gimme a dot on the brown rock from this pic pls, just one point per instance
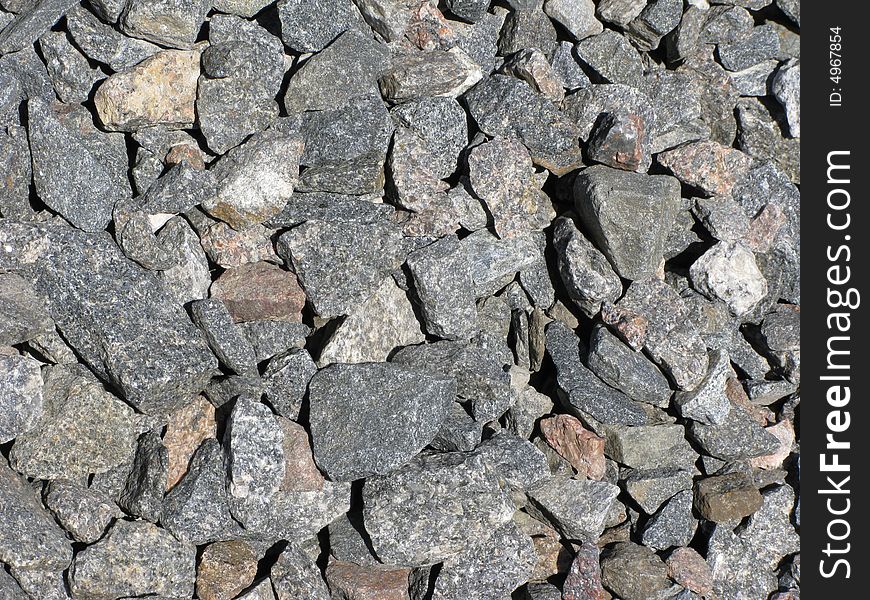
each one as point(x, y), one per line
point(690, 570)
point(185, 431)
point(784, 432)
point(532, 67)
point(576, 444)
point(355, 582)
point(230, 248)
point(737, 395)
point(225, 569)
point(630, 326)
point(706, 165)
point(161, 90)
point(553, 556)
point(188, 152)
point(764, 228)
point(300, 473)
point(622, 141)
point(584, 578)
point(260, 292)
point(727, 498)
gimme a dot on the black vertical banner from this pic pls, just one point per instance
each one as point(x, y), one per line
point(835, 442)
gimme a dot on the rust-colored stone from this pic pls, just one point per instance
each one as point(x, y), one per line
point(301, 473)
point(784, 432)
point(260, 292)
point(690, 570)
point(355, 582)
point(584, 578)
point(706, 165)
point(576, 444)
point(737, 395)
point(188, 152)
point(225, 569)
point(230, 248)
point(630, 326)
point(185, 431)
point(764, 228)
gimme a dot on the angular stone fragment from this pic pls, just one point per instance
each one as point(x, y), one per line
point(501, 174)
point(579, 509)
point(708, 402)
point(260, 291)
point(33, 19)
point(242, 8)
point(368, 253)
point(224, 338)
point(651, 488)
point(225, 569)
point(760, 45)
point(737, 437)
point(689, 569)
point(142, 495)
point(532, 67)
point(786, 89)
point(84, 430)
point(673, 525)
point(577, 16)
point(755, 80)
point(287, 376)
point(514, 459)
point(73, 164)
point(21, 395)
point(135, 558)
point(584, 579)
point(443, 283)
point(29, 537)
point(104, 44)
point(369, 582)
point(655, 20)
point(130, 100)
point(10, 589)
point(566, 69)
point(294, 575)
point(432, 508)
point(504, 106)
point(528, 28)
point(255, 180)
point(173, 23)
point(424, 74)
point(271, 338)
point(626, 370)
point(728, 272)
point(190, 278)
point(368, 419)
point(491, 569)
point(627, 215)
point(70, 72)
point(84, 513)
point(727, 498)
point(379, 325)
point(255, 452)
point(612, 56)
point(197, 509)
point(706, 165)
point(649, 446)
point(579, 446)
point(622, 141)
point(494, 262)
point(309, 26)
point(784, 431)
point(634, 572)
point(15, 161)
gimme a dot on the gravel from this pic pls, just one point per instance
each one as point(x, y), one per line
point(399, 299)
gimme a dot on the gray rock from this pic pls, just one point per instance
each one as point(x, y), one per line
point(77, 170)
point(442, 280)
point(480, 41)
point(728, 272)
point(346, 69)
point(35, 18)
point(470, 10)
point(242, 73)
point(649, 446)
point(309, 26)
point(480, 377)
point(586, 393)
point(494, 262)
point(325, 206)
point(255, 180)
point(439, 73)
point(612, 56)
point(224, 337)
point(717, 95)
point(620, 12)
point(516, 460)
point(628, 216)
point(242, 8)
point(758, 46)
point(501, 174)
point(588, 277)
point(634, 572)
point(586, 106)
point(294, 575)
point(708, 402)
point(286, 378)
point(21, 396)
point(190, 278)
point(143, 493)
point(173, 23)
point(579, 509)
point(135, 558)
point(15, 160)
point(723, 218)
point(736, 438)
point(84, 513)
point(576, 16)
point(83, 430)
point(368, 419)
point(336, 287)
point(489, 570)
point(653, 487)
point(786, 89)
point(760, 135)
point(197, 509)
point(631, 372)
point(622, 141)
point(527, 29)
point(755, 80)
point(271, 338)
point(504, 106)
point(128, 312)
point(10, 589)
point(566, 68)
point(29, 537)
point(70, 72)
point(255, 452)
point(673, 525)
point(103, 43)
point(791, 9)
point(433, 508)
point(348, 541)
point(459, 431)
point(655, 20)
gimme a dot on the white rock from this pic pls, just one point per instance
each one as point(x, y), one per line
point(728, 272)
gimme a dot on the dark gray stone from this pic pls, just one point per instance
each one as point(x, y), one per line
point(84, 513)
point(459, 431)
point(103, 43)
point(656, 20)
point(143, 493)
point(370, 418)
point(708, 402)
point(579, 509)
point(634, 572)
point(631, 372)
point(651, 488)
point(527, 29)
point(34, 18)
point(673, 525)
point(514, 459)
point(310, 25)
point(588, 277)
point(585, 106)
point(255, 452)
point(271, 338)
point(224, 337)
point(416, 75)
point(21, 396)
point(576, 16)
point(649, 446)
point(15, 161)
point(758, 46)
point(566, 68)
point(612, 56)
point(286, 380)
point(470, 10)
point(173, 23)
point(736, 438)
point(70, 72)
point(295, 575)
